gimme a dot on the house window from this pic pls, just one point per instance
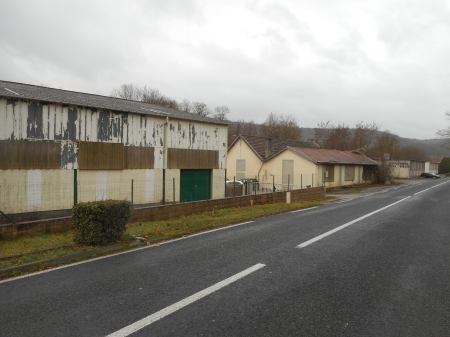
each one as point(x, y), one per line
point(240, 169)
point(349, 173)
point(328, 171)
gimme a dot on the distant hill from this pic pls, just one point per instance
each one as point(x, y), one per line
point(431, 147)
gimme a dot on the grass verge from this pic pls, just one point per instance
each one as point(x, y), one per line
point(24, 250)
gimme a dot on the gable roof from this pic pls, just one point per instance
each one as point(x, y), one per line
point(324, 156)
point(260, 145)
point(14, 90)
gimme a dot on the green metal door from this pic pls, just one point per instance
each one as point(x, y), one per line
point(195, 185)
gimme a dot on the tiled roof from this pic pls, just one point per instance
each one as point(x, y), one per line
point(323, 156)
point(259, 144)
point(39, 93)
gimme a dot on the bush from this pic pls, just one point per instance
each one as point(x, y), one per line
point(100, 222)
point(444, 165)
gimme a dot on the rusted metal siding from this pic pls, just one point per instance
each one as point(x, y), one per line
point(29, 155)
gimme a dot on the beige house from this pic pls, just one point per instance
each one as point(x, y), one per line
point(246, 154)
point(295, 167)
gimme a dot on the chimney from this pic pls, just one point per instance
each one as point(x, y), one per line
point(268, 147)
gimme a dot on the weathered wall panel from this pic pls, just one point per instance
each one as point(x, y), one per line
point(101, 156)
point(29, 155)
point(192, 159)
point(138, 157)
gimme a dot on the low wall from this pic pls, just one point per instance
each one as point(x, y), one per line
point(164, 212)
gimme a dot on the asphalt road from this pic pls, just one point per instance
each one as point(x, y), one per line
point(372, 266)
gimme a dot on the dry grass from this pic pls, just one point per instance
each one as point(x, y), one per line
point(25, 250)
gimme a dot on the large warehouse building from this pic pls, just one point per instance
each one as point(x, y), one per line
point(59, 147)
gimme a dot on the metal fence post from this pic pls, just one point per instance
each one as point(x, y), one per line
point(75, 187)
point(174, 191)
point(301, 181)
point(273, 183)
point(164, 187)
point(132, 192)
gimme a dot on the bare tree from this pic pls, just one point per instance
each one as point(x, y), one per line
point(270, 128)
point(339, 138)
point(364, 136)
point(445, 133)
point(386, 145)
point(185, 105)
point(281, 126)
point(154, 96)
point(289, 128)
point(201, 109)
point(128, 91)
point(244, 128)
point(220, 112)
point(322, 133)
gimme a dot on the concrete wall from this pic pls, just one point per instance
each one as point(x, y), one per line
point(165, 212)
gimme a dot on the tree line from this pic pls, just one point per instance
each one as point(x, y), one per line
point(154, 96)
point(363, 137)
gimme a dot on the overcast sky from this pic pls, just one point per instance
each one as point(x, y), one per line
point(384, 61)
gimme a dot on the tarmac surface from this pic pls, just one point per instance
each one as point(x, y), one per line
point(344, 195)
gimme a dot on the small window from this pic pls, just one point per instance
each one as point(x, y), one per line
point(349, 172)
point(240, 169)
point(328, 171)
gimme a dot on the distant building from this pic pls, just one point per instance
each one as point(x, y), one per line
point(246, 154)
point(405, 169)
point(295, 164)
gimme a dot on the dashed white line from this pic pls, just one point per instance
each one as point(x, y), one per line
point(305, 209)
point(128, 330)
point(421, 191)
point(317, 238)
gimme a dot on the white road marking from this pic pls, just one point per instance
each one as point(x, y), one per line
point(121, 253)
point(422, 191)
point(305, 209)
point(128, 330)
point(317, 238)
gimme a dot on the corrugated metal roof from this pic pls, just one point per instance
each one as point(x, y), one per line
point(323, 156)
point(40, 93)
point(259, 144)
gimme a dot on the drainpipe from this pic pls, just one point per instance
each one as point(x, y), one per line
point(166, 126)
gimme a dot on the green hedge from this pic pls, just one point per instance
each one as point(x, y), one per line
point(444, 165)
point(100, 222)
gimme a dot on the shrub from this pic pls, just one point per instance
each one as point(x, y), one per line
point(444, 165)
point(100, 222)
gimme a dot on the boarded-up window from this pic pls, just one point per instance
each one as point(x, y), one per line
point(29, 155)
point(240, 169)
point(349, 172)
point(101, 156)
point(288, 173)
point(328, 171)
point(139, 157)
point(192, 159)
